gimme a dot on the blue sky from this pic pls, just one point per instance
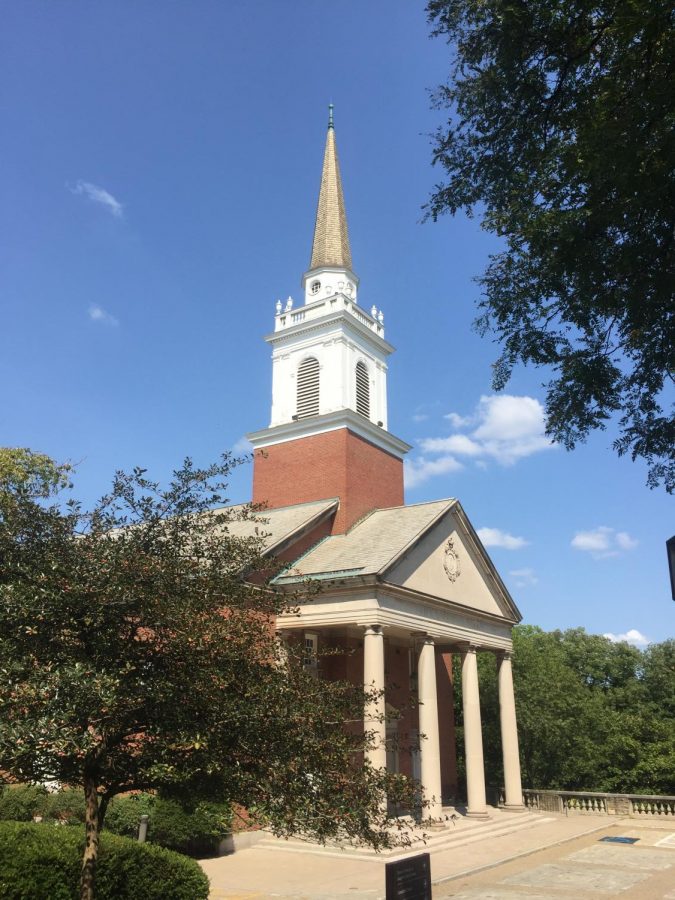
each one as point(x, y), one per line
point(160, 170)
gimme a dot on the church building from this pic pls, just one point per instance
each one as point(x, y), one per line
point(403, 587)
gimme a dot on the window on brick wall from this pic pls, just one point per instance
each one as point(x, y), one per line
point(308, 388)
point(362, 390)
point(310, 660)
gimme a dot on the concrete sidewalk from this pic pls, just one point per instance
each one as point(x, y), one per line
point(478, 852)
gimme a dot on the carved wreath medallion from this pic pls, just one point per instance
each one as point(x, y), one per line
point(451, 561)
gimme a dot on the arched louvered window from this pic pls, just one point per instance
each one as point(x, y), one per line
point(362, 390)
point(308, 388)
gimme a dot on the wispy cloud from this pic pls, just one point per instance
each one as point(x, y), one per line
point(503, 428)
point(418, 471)
point(524, 577)
point(632, 636)
point(98, 314)
point(242, 446)
point(603, 542)
point(98, 195)
point(456, 420)
point(495, 537)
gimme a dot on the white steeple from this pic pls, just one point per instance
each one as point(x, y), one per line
point(329, 356)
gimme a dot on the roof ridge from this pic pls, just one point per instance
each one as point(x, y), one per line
point(420, 532)
point(413, 505)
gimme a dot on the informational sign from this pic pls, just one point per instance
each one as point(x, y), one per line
point(409, 879)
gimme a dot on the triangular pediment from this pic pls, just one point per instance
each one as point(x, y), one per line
point(448, 562)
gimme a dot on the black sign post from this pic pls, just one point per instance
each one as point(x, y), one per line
point(409, 879)
point(670, 547)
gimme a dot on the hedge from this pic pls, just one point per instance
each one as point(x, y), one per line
point(196, 829)
point(193, 829)
point(19, 803)
point(41, 861)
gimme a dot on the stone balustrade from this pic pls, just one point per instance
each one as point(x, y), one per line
point(598, 804)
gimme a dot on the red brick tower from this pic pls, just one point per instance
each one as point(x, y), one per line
point(328, 433)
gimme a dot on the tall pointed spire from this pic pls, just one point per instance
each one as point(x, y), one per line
point(331, 239)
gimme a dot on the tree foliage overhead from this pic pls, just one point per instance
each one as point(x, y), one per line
point(562, 136)
point(134, 654)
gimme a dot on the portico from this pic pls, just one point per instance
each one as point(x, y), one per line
point(401, 639)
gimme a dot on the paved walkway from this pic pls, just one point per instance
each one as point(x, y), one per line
point(542, 858)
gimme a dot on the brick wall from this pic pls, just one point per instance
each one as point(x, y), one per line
point(337, 463)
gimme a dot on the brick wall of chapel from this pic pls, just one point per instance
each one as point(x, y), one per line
point(336, 463)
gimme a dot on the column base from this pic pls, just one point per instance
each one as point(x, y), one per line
point(514, 807)
point(478, 814)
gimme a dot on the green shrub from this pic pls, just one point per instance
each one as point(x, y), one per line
point(124, 813)
point(20, 802)
point(38, 861)
point(65, 806)
point(194, 829)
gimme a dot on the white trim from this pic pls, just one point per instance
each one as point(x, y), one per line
point(343, 418)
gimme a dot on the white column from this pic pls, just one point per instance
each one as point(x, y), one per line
point(473, 737)
point(513, 798)
point(430, 754)
point(373, 679)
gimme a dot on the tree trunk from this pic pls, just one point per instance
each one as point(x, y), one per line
point(91, 846)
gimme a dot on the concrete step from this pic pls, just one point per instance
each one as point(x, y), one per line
point(462, 831)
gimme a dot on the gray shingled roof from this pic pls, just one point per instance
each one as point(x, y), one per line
point(277, 524)
point(371, 545)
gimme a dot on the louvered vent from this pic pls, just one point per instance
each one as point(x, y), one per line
point(308, 388)
point(362, 390)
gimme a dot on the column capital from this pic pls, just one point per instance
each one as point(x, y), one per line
point(371, 629)
point(504, 655)
point(422, 637)
point(470, 647)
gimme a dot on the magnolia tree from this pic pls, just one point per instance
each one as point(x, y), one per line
point(136, 652)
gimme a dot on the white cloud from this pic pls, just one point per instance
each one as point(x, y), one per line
point(456, 443)
point(603, 542)
point(420, 417)
point(242, 446)
point(503, 428)
point(98, 314)
point(494, 537)
point(524, 577)
point(456, 420)
point(420, 470)
point(625, 541)
point(632, 636)
point(510, 428)
point(98, 195)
